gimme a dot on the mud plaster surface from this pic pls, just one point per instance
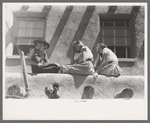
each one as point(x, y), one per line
point(71, 86)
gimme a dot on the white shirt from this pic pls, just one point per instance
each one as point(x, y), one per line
point(110, 55)
point(87, 52)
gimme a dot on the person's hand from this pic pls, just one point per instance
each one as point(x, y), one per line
point(40, 64)
point(45, 64)
point(64, 69)
point(95, 76)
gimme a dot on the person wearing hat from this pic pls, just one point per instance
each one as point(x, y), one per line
point(39, 56)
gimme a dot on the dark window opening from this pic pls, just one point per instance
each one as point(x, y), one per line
point(129, 53)
point(24, 44)
point(127, 24)
point(111, 48)
point(119, 24)
point(108, 24)
point(25, 48)
point(123, 52)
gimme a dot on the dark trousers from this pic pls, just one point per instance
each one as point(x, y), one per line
point(51, 68)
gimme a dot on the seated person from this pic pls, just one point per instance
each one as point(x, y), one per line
point(106, 62)
point(38, 55)
point(83, 65)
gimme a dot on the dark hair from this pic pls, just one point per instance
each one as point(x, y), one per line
point(76, 42)
point(102, 45)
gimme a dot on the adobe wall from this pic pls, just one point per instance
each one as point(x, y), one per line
point(139, 30)
point(65, 24)
point(8, 27)
point(72, 86)
point(136, 30)
point(68, 23)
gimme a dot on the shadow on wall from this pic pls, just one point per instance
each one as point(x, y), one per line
point(82, 26)
point(94, 46)
point(78, 82)
point(59, 29)
point(141, 54)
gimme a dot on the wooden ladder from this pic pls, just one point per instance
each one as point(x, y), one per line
point(24, 70)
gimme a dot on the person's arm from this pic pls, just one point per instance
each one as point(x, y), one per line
point(40, 63)
point(35, 57)
point(46, 60)
point(97, 62)
point(76, 60)
point(103, 61)
point(83, 54)
point(38, 58)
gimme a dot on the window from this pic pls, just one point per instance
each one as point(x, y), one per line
point(30, 28)
point(27, 31)
point(116, 36)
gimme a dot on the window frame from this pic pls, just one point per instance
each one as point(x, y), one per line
point(29, 19)
point(27, 16)
point(114, 27)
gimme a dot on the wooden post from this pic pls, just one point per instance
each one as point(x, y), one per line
point(112, 9)
point(24, 70)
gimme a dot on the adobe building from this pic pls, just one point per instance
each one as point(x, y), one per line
point(120, 27)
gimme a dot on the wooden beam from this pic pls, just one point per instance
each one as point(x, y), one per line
point(30, 14)
point(24, 70)
point(46, 8)
point(135, 10)
point(24, 8)
point(141, 53)
point(112, 9)
point(114, 17)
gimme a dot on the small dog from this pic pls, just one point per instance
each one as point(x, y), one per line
point(53, 91)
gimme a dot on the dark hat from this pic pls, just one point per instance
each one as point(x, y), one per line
point(41, 41)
